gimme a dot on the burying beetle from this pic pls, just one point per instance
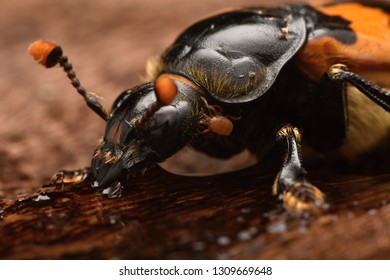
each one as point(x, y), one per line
point(235, 80)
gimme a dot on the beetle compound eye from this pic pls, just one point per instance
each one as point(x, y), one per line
point(165, 89)
point(45, 52)
point(164, 131)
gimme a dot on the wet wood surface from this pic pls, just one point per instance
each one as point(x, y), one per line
point(165, 216)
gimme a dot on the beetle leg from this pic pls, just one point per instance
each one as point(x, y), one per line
point(298, 194)
point(65, 177)
point(375, 93)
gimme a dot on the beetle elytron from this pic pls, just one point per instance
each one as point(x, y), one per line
point(242, 78)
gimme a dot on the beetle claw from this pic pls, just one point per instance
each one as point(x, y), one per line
point(113, 191)
point(65, 177)
point(303, 198)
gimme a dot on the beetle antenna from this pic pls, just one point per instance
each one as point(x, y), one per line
point(48, 54)
point(165, 90)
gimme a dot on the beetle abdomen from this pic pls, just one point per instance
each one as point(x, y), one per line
point(365, 47)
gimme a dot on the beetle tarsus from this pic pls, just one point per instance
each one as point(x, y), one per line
point(375, 93)
point(113, 191)
point(299, 196)
point(67, 177)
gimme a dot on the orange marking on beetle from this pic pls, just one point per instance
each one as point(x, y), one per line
point(40, 50)
point(165, 89)
point(370, 51)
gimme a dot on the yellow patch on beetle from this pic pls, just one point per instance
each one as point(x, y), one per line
point(154, 67)
point(368, 125)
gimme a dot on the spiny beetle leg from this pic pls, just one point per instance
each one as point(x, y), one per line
point(375, 93)
point(65, 177)
point(300, 197)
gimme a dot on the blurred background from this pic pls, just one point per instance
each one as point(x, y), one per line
point(44, 125)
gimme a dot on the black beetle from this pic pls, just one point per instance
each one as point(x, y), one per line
point(237, 81)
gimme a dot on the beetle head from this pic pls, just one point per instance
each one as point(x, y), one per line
point(147, 124)
point(145, 128)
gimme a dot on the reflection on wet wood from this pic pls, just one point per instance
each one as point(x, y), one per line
point(231, 216)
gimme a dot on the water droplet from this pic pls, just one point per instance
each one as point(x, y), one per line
point(350, 215)
point(251, 75)
point(277, 227)
point(199, 246)
point(253, 230)
point(42, 197)
point(244, 235)
point(246, 210)
point(223, 240)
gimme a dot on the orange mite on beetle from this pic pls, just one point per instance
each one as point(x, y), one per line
point(243, 79)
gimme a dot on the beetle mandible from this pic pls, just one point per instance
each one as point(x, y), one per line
point(243, 78)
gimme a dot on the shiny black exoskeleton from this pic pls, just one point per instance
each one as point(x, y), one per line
point(240, 66)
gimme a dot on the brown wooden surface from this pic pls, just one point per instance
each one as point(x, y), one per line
point(46, 127)
point(231, 216)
